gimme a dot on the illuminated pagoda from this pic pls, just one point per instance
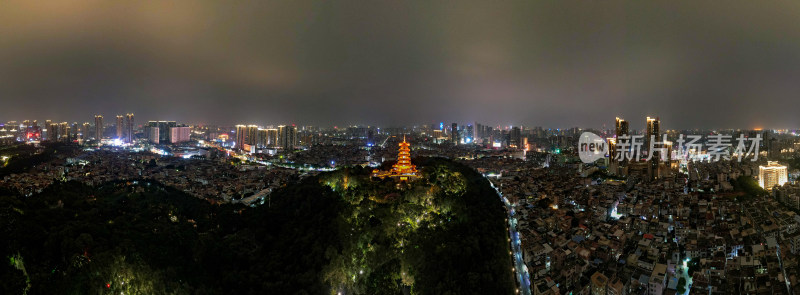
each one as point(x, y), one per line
point(403, 169)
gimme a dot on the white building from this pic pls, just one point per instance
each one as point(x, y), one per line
point(179, 134)
point(771, 175)
point(658, 280)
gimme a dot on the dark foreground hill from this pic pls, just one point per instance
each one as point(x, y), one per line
point(339, 231)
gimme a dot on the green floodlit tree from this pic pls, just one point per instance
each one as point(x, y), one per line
point(394, 232)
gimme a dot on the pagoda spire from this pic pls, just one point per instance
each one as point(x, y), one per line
point(403, 168)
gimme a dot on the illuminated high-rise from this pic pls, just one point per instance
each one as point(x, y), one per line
point(287, 137)
point(774, 174)
point(153, 134)
point(241, 136)
point(252, 134)
point(63, 132)
point(179, 134)
point(129, 128)
point(98, 127)
point(85, 130)
point(454, 133)
point(75, 131)
point(261, 138)
point(120, 122)
point(163, 130)
point(515, 138)
point(621, 127)
point(652, 132)
point(653, 127)
point(272, 137)
point(52, 130)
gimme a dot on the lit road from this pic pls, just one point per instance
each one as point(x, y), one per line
point(521, 271)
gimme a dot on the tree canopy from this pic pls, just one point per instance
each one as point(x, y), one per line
point(339, 231)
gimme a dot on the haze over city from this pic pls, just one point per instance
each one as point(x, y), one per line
point(552, 64)
point(400, 147)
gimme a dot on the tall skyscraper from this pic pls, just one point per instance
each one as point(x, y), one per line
point(771, 175)
point(652, 132)
point(120, 123)
point(241, 136)
point(153, 133)
point(652, 129)
point(454, 133)
point(75, 131)
point(252, 134)
point(85, 130)
point(179, 134)
point(129, 127)
point(261, 139)
point(98, 127)
point(515, 138)
point(287, 137)
point(272, 137)
point(163, 130)
point(58, 131)
point(52, 130)
point(621, 127)
point(63, 132)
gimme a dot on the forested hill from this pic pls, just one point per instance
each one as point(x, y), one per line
point(339, 231)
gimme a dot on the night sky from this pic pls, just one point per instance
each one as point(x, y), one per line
point(724, 64)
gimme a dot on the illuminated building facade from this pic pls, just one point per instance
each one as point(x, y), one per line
point(120, 126)
point(85, 130)
point(621, 127)
point(261, 139)
point(241, 135)
point(153, 134)
point(515, 138)
point(98, 127)
point(163, 130)
point(771, 175)
point(403, 169)
point(653, 132)
point(252, 134)
point(454, 133)
point(180, 134)
point(287, 137)
point(129, 127)
point(272, 137)
point(58, 131)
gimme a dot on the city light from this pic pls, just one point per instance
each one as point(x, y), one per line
point(636, 148)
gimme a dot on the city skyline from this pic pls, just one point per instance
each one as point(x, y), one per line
point(604, 126)
point(399, 147)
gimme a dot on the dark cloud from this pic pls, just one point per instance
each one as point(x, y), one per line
point(549, 63)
